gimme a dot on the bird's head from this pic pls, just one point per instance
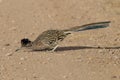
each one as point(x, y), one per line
point(25, 42)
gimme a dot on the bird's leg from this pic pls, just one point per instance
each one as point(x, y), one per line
point(54, 48)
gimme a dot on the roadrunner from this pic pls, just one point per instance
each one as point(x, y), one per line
point(50, 39)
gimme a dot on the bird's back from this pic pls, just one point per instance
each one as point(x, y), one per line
point(49, 38)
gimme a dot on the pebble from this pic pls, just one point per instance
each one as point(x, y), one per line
point(22, 58)
point(24, 69)
point(114, 76)
point(111, 52)
point(90, 58)
point(117, 39)
point(65, 76)
point(20, 62)
point(9, 54)
point(7, 44)
point(118, 34)
point(32, 34)
point(34, 76)
point(13, 21)
point(100, 51)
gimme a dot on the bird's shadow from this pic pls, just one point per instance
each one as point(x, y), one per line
point(68, 48)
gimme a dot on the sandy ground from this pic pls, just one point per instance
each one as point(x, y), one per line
point(78, 57)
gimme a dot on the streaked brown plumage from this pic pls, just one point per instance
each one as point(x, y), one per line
point(50, 39)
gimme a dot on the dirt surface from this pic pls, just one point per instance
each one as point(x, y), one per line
point(78, 57)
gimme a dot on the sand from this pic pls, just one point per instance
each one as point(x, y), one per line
point(79, 56)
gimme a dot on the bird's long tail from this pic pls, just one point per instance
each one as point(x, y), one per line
point(91, 26)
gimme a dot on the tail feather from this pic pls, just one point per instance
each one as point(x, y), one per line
point(91, 26)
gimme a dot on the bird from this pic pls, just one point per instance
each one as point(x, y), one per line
point(50, 39)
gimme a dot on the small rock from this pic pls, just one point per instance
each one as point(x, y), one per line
point(117, 39)
point(20, 63)
point(34, 76)
point(32, 34)
point(24, 69)
point(118, 34)
point(112, 52)
point(100, 51)
point(22, 58)
point(13, 21)
point(7, 44)
point(65, 76)
point(9, 54)
point(114, 76)
point(90, 58)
